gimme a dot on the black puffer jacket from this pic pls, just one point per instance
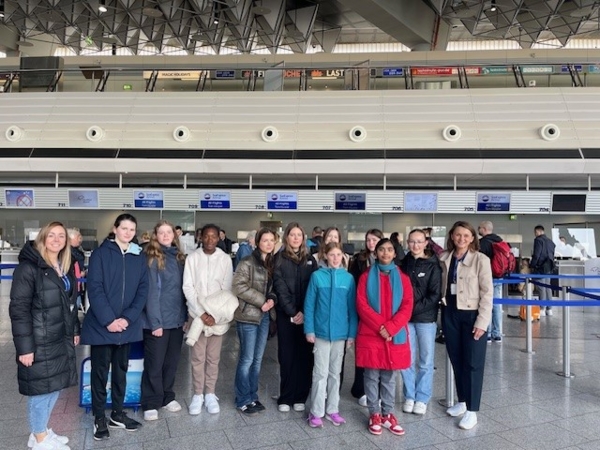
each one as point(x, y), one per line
point(426, 279)
point(290, 282)
point(44, 322)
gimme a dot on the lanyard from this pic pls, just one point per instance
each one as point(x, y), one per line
point(456, 263)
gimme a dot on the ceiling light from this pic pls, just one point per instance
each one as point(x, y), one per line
point(1, 8)
point(152, 12)
point(493, 8)
point(102, 6)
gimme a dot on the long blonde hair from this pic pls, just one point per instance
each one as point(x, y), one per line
point(154, 250)
point(64, 256)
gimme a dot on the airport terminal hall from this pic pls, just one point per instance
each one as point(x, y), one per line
point(299, 224)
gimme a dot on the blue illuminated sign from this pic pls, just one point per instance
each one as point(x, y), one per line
point(148, 199)
point(282, 200)
point(215, 200)
point(350, 201)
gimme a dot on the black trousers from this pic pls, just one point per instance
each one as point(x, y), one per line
point(161, 356)
point(295, 362)
point(102, 357)
point(466, 355)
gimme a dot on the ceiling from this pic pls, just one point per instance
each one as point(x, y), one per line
point(246, 26)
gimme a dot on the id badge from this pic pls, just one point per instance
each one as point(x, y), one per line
point(453, 288)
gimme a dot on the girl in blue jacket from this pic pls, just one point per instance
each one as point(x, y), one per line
point(117, 289)
point(330, 321)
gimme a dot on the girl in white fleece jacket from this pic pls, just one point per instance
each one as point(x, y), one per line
point(207, 271)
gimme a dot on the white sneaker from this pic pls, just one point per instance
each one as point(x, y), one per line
point(173, 406)
point(457, 410)
point(212, 404)
point(151, 414)
point(363, 401)
point(283, 408)
point(62, 439)
point(196, 405)
point(468, 421)
point(549, 312)
point(299, 407)
point(420, 408)
point(542, 312)
point(50, 443)
point(408, 406)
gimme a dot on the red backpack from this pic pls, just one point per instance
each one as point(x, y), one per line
point(503, 261)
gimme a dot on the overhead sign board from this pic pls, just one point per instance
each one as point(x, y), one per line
point(393, 72)
point(224, 74)
point(20, 198)
point(488, 202)
point(83, 198)
point(148, 199)
point(215, 200)
point(537, 70)
point(350, 201)
point(282, 200)
point(420, 202)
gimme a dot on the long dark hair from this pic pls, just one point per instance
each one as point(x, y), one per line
point(120, 218)
point(322, 252)
point(268, 261)
point(364, 254)
point(303, 254)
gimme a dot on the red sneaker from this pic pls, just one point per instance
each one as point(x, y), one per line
point(375, 424)
point(391, 423)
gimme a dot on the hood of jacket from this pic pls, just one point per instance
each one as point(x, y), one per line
point(30, 254)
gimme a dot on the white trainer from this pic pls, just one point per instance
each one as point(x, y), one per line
point(420, 408)
point(212, 403)
point(196, 405)
point(299, 407)
point(283, 408)
point(50, 443)
point(363, 401)
point(62, 439)
point(468, 421)
point(151, 414)
point(173, 406)
point(457, 410)
point(408, 406)
point(549, 312)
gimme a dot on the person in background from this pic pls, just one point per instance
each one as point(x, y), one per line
point(117, 289)
point(164, 317)
point(178, 231)
point(314, 243)
point(423, 268)
point(395, 238)
point(384, 301)
point(144, 239)
point(245, 249)
point(330, 323)
point(332, 234)
point(488, 237)
point(224, 243)
point(358, 265)
point(78, 258)
point(294, 266)
point(468, 293)
point(542, 262)
point(253, 283)
point(207, 280)
point(431, 244)
point(45, 329)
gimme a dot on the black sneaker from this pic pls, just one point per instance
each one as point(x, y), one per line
point(258, 406)
point(100, 429)
point(120, 420)
point(248, 409)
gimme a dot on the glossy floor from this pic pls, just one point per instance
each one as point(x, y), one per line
point(525, 404)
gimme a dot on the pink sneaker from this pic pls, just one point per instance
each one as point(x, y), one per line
point(314, 421)
point(335, 419)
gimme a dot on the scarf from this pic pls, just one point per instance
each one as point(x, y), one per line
point(373, 293)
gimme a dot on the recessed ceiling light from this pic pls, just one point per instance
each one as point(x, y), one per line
point(152, 12)
point(261, 10)
point(102, 6)
point(23, 43)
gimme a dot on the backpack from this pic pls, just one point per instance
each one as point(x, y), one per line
point(503, 261)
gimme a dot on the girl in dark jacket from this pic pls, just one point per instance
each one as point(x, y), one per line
point(117, 289)
point(293, 267)
point(164, 316)
point(425, 272)
point(252, 284)
point(45, 328)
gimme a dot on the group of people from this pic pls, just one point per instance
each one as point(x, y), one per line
point(321, 305)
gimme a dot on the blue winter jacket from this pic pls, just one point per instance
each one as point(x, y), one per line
point(330, 305)
point(117, 286)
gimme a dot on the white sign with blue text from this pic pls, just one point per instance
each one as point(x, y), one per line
point(282, 200)
point(148, 199)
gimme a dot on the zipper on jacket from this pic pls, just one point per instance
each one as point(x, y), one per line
point(122, 296)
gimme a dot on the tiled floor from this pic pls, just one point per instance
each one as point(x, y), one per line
point(525, 405)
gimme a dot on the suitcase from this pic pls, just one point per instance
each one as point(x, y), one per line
point(535, 312)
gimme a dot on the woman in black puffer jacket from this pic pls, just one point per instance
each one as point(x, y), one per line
point(425, 272)
point(45, 328)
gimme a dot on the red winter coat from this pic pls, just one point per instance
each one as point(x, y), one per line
point(372, 350)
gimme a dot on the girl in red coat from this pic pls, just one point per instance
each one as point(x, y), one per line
point(384, 302)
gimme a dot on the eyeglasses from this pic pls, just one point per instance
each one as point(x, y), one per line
point(417, 242)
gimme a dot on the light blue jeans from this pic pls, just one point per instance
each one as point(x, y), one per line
point(39, 409)
point(253, 340)
point(418, 378)
point(495, 327)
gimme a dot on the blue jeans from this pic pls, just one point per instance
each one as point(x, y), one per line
point(495, 327)
point(39, 409)
point(253, 340)
point(418, 378)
